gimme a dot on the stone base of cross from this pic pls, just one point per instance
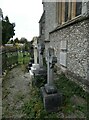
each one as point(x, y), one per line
point(52, 99)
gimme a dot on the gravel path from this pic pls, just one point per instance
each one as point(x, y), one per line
point(15, 91)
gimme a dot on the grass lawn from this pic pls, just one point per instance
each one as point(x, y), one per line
point(23, 58)
point(72, 92)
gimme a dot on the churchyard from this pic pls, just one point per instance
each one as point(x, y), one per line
point(51, 80)
point(32, 89)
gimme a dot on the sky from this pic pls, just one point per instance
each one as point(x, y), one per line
point(25, 14)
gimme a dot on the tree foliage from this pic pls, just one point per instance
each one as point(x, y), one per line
point(7, 30)
point(23, 40)
point(16, 40)
point(11, 41)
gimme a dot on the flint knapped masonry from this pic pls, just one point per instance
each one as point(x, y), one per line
point(68, 24)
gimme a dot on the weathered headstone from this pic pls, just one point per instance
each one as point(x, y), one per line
point(40, 74)
point(36, 67)
point(40, 48)
point(52, 99)
point(38, 70)
point(34, 53)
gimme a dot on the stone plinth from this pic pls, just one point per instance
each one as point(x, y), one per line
point(52, 101)
point(40, 71)
point(50, 89)
point(30, 63)
point(34, 67)
point(40, 76)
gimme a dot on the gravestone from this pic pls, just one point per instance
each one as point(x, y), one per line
point(40, 48)
point(37, 70)
point(52, 99)
point(41, 72)
point(35, 65)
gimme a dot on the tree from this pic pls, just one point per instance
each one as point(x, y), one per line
point(23, 40)
point(16, 40)
point(7, 30)
point(11, 41)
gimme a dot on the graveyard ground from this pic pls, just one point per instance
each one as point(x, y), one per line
point(22, 100)
point(15, 90)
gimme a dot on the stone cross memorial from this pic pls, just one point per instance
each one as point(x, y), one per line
point(51, 62)
point(51, 97)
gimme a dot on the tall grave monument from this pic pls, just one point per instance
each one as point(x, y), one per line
point(52, 99)
point(38, 70)
point(40, 74)
point(35, 65)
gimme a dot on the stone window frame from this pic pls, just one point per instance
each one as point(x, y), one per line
point(71, 12)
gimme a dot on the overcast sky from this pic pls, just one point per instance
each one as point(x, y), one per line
point(26, 15)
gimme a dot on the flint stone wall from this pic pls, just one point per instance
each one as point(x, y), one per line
point(77, 37)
